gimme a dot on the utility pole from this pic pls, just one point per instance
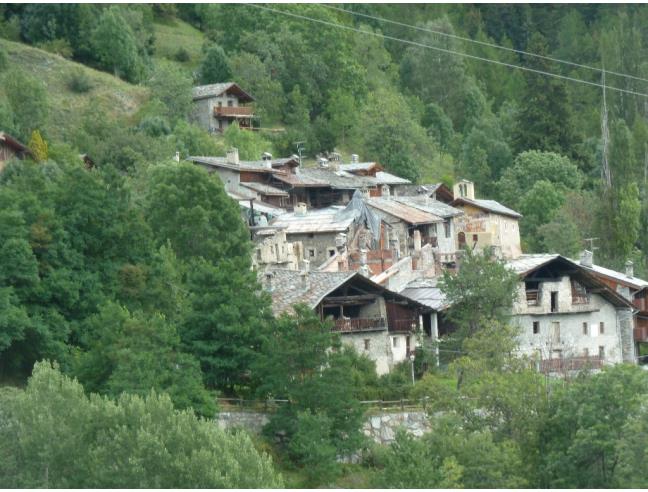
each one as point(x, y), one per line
point(301, 145)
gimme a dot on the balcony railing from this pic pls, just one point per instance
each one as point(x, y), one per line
point(234, 111)
point(403, 325)
point(359, 325)
point(571, 364)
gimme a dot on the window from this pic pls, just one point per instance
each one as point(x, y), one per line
point(220, 104)
point(601, 328)
point(475, 238)
point(585, 352)
point(395, 342)
point(536, 327)
point(311, 252)
point(585, 329)
point(433, 229)
point(579, 293)
point(367, 343)
point(230, 103)
point(601, 351)
point(555, 331)
point(446, 227)
point(331, 251)
point(554, 301)
point(532, 293)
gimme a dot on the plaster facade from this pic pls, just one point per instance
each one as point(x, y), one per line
point(482, 229)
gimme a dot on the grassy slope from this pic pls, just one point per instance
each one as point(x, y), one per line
point(172, 35)
point(109, 95)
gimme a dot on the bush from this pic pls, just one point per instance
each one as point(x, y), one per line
point(79, 82)
point(182, 55)
point(4, 62)
point(59, 47)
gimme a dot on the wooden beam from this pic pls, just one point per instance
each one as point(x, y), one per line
point(363, 297)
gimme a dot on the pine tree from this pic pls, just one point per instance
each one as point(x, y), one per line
point(215, 67)
point(38, 146)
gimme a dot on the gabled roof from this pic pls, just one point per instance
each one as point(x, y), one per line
point(383, 177)
point(251, 166)
point(440, 190)
point(360, 166)
point(215, 90)
point(426, 291)
point(265, 189)
point(289, 290)
point(487, 205)
point(341, 180)
point(406, 213)
point(13, 143)
point(526, 265)
point(429, 205)
point(302, 180)
point(622, 278)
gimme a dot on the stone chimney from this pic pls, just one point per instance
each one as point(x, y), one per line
point(304, 279)
point(355, 159)
point(587, 259)
point(384, 191)
point(266, 157)
point(301, 209)
point(233, 156)
point(629, 269)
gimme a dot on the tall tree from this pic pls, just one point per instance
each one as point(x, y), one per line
point(215, 66)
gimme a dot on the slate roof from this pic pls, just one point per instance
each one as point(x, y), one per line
point(315, 221)
point(634, 282)
point(407, 213)
point(214, 90)
point(289, 290)
point(264, 207)
point(529, 262)
point(341, 180)
point(302, 180)
point(252, 166)
point(359, 166)
point(428, 205)
point(488, 205)
point(383, 177)
point(426, 291)
point(419, 189)
point(265, 189)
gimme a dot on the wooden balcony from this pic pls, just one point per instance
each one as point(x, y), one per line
point(571, 364)
point(234, 112)
point(356, 325)
point(641, 334)
point(407, 325)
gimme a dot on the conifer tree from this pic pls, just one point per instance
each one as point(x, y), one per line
point(38, 146)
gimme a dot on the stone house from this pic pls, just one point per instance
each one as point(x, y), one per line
point(380, 323)
point(11, 148)
point(485, 223)
point(216, 106)
point(568, 318)
point(632, 288)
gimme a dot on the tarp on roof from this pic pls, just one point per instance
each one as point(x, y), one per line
point(358, 208)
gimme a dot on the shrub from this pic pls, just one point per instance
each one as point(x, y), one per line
point(59, 47)
point(79, 82)
point(182, 55)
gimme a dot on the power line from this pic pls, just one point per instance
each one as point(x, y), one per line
point(483, 43)
point(466, 55)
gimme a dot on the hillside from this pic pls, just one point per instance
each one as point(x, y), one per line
point(171, 36)
point(108, 95)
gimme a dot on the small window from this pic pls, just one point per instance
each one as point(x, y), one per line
point(585, 330)
point(536, 327)
point(311, 252)
point(367, 343)
point(230, 103)
point(446, 227)
point(475, 238)
point(395, 342)
point(601, 328)
point(331, 251)
point(585, 352)
point(555, 331)
point(601, 351)
point(554, 302)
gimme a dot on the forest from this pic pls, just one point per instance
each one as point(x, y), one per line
point(128, 302)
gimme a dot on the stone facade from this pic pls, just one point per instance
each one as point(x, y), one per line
point(276, 251)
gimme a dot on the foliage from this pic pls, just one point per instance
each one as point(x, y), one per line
point(214, 67)
point(301, 362)
point(53, 435)
point(250, 145)
point(79, 82)
point(172, 86)
point(28, 101)
point(38, 146)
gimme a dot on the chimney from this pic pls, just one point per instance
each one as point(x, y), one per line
point(305, 265)
point(266, 157)
point(300, 209)
point(177, 157)
point(587, 259)
point(384, 191)
point(354, 158)
point(233, 156)
point(629, 269)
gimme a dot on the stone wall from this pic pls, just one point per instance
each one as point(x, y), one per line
point(381, 427)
